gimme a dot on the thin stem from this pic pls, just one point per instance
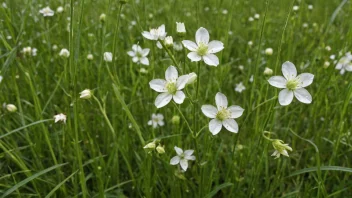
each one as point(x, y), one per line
point(170, 55)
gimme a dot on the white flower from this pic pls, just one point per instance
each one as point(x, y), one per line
point(250, 43)
point(157, 119)
point(328, 48)
point(295, 8)
point(107, 56)
point(85, 94)
point(169, 88)
point(222, 115)
point(240, 87)
point(47, 11)
point(180, 28)
point(60, 9)
point(28, 51)
point(250, 19)
point(182, 158)
point(139, 55)
point(203, 49)
point(269, 51)
point(310, 7)
point(345, 63)
point(90, 57)
point(65, 53)
point(55, 47)
point(155, 34)
point(256, 16)
point(60, 117)
point(225, 11)
point(192, 77)
point(169, 42)
point(292, 84)
point(280, 148)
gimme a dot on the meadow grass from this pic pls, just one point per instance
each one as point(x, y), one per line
point(99, 151)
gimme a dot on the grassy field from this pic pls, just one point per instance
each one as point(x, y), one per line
point(77, 121)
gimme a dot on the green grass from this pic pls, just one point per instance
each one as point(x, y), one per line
point(99, 151)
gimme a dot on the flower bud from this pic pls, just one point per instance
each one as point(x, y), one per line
point(11, 108)
point(280, 148)
point(160, 149)
point(326, 64)
point(90, 56)
point(268, 71)
point(169, 42)
point(60, 9)
point(86, 94)
point(180, 28)
point(269, 51)
point(192, 77)
point(108, 56)
point(175, 120)
point(102, 18)
point(64, 53)
point(150, 145)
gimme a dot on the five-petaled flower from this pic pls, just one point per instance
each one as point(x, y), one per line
point(139, 55)
point(169, 88)
point(155, 34)
point(345, 63)
point(182, 158)
point(47, 11)
point(157, 119)
point(222, 115)
point(60, 117)
point(203, 49)
point(293, 85)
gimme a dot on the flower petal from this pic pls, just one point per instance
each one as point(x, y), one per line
point(179, 97)
point(190, 45)
point(145, 51)
point(134, 47)
point(182, 81)
point(277, 81)
point(211, 59)
point(194, 56)
point(209, 110)
point(305, 79)
point(215, 126)
point(303, 95)
point(348, 67)
point(144, 61)
point(192, 157)
point(215, 46)
point(184, 164)
point(289, 70)
point(175, 160)
point(221, 101)
point(147, 35)
point(236, 111)
point(178, 150)
point(135, 59)
point(162, 100)
point(158, 85)
point(285, 97)
point(131, 53)
point(231, 125)
point(202, 35)
point(171, 74)
point(189, 152)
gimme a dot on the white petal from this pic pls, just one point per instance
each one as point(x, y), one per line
point(134, 47)
point(161, 30)
point(338, 66)
point(175, 160)
point(285, 97)
point(184, 164)
point(150, 122)
point(278, 81)
point(215, 126)
point(202, 35)
point(221, 101)
point(305, 79)
point(131, 53)
point(215, 46)
point(236, 111)
point(161, 123)
point(189, 152)
point(192, 46)
point(231, 125)
point(209, 110)
point(289, 70)
point(135, 59)
point(179, 97)
point(158, 44)
point(182, 81)
point(147, 35)
point(348, 67)
point(144, 61)
point(158, 85)
point(159, 116)
point(178, 150)
point(145, 51)
point(284, 152)
point(171, 73)
point(192, 157)
point(194, 56)
point(303, 95)
point(162, 100)
point(211, 59)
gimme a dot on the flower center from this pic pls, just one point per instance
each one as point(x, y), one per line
point(292, 84)
point(223, 114)
point(202, 49)
point(171, 88)
point(139, 55)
